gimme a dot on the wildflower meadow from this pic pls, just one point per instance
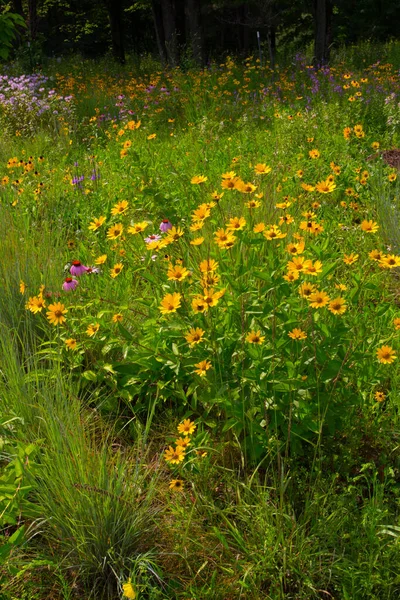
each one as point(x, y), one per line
point(200, 330)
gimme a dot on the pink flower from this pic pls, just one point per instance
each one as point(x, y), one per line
point(165, 225)
point(69, 284)
point(77, 268)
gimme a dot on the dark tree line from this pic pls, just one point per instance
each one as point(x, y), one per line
point(201, 29)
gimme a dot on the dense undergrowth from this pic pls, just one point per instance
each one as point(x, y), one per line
point(200, 326)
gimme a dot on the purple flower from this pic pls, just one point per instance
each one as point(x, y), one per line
point(92, 270)
point(165, 225)
point(154, 237)
point(70, 284)
point(77, 268)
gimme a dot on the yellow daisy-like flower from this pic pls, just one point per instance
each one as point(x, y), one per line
point(187, 427)
point(120, 208)
point(117, 318)
point(101, 259)
point(245, 188)
point(379, 396)
point(253, 204)
point(22, 287)
point(183, 442)
point(116, 270)
point(71, 344)
point(177, 273)
point(349, 259)
point(311, 268)
point(337, 306)
point(396, 323)
point(194, 336)
point(176, 485)
point(115, 231)
point(202, 367)
point(201, 213)
point(199, 305)
point(197, 241)
point(56, 313)
point(291, 276)
point(208, 265)
point(318, 299)
point(217, 197)
point(259, 227)
point(392, 177)
point(297, 264)
point(255, 337)
point(325, 187)
point(96, 223)
point(137, 228)
point(236, 224)
point(314, 153)
point(386, 355)
point(273, 233)
point(297, 334)
point(93, 329)
point(170, 303)
point(152, 136)
point(174, 455)
point(390, 261)
point(197, 179)
point(369, 226)
point(36, 304)
point(174, 234)
point(262, 169)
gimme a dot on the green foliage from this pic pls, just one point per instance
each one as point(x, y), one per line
point(9, 23)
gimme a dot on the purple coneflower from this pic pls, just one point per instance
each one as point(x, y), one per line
point(165, 225)
point(154, 237)
point(77, 268)
point(92, 270)
point(70, 284)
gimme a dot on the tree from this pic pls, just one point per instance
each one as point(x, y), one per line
point(114, 8)
point(323, 32)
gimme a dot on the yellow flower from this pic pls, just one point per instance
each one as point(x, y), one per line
point(199, 305)
point(262, 169)
point(170, 303)
point(197, 241)
point(35, 304)
point(245, 188)
point(71, 344)
point(274, 233)
point(22, 287)
point(93, 329)
point(197, 179)
point(174, 234)
point(120, 208)
point(306, 289)
point(325, 187)
point(255, 337)
point(177, 273)
point(151, 136)
point(212, 298)
point(115, 231)
point(312, 269)
point(215, 196)
point(318, 299)
point(369, 226)
point(101, 259)
point(128, 590)
point(174, 455)
point(253, 204)
point(96, 223)
point(314, 153)
point(229, 175)
point(187, 427)
point(390, 261)
point(117, 318)
point(291, 276)
point(201, 213)
point(337, 306)
point(137, 227)
point(56, 313)
point(396, 323)
point(349, 259)
point(386, 355)
point(194, 336)
point(392, 177)
point(259, 227)
point(202, 367)
point(208, 265)
point(236, 224)
point(297, 334)
point(341, 286)
point(183, 442)
point(116, 270)
point(297, 264)
point(176, 485)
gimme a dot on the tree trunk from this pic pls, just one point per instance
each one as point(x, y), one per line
point(17, 7)
point(32, 19)
point(159, 29)
point(322, 20)
point(193, 19)
point(114, 8)
point(169, 21)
